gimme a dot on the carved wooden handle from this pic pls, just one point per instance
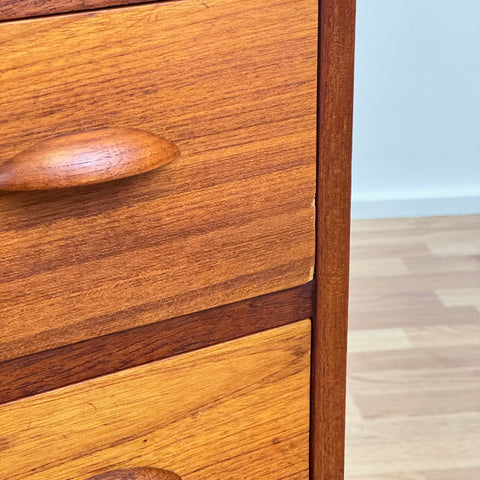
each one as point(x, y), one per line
point(137, 474)
point(84, 158)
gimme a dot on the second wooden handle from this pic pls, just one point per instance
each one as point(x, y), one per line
point(84, 158)
point(142, 473)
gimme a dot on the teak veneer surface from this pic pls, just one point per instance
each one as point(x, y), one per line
point(233, 84)
point(10, 9)
point(235, 410)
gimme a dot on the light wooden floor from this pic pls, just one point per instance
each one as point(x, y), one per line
point(413, 399)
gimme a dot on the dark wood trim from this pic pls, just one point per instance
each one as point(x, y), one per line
point(336, 47)
point(44, 371)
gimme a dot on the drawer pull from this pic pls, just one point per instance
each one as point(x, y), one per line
point(85, 158)
point(137, 474)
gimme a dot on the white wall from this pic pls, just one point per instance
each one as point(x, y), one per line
point(417, 108)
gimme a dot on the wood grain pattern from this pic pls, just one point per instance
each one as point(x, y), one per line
point(140, 473)
point(233, 218)
point(33, 8)
point(437, 256)
point(44, 371)
point(337, 20)
point(413, 409)
point(236, 410)
point(85, 158)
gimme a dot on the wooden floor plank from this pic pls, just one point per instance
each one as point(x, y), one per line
point(461, 473)
point(413, 396)
point(427, 428)
point(431, 264)
point(460, 297)
point(404, 382)
point(418, 403)
point(413, 283)
point(390, 476)
point(409, 455)
point(436, 358)
point(444, 335)
point(377, 340)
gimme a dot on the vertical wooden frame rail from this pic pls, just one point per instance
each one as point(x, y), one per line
point(335, 108)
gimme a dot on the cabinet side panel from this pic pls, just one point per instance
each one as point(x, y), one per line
point(337, 27)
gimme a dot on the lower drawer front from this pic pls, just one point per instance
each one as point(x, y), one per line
point(235, 410)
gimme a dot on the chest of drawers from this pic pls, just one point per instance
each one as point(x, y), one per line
point(192, 318)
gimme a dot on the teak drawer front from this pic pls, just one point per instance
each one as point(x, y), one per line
point(235, 410)
point(233, 84)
